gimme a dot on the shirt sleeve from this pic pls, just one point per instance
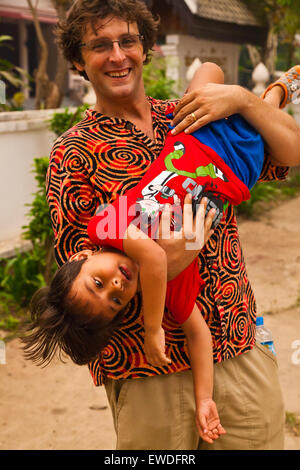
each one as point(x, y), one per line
point(183, 290)
point(271, 172)
point(72, 202)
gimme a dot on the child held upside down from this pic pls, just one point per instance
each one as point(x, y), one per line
point(88, 295)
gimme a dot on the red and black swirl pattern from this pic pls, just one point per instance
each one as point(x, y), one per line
point(101, 158)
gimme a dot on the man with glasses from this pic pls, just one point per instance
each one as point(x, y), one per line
point(108, 42)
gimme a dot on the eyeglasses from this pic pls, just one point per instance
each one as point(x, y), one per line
point(126, 43)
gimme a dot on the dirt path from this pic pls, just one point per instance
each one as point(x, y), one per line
point(59, 408)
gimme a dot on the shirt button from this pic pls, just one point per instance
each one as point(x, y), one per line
point(128, 126)
point(218, 301)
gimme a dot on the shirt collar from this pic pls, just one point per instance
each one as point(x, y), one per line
point(161, 111)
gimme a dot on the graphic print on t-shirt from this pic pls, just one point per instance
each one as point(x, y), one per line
point(168, 185)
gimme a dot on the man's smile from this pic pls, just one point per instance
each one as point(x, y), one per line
point(119, 73)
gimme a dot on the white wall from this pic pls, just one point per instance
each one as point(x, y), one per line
point(181, 50)
point(24, 135)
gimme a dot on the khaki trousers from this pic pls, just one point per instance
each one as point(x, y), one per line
point(157, 413)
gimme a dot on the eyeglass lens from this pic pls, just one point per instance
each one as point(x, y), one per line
point(126, 42)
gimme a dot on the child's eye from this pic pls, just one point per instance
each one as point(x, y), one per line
point(98, 283)
point(117, 301)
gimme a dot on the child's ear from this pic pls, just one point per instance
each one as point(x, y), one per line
point(81, 255)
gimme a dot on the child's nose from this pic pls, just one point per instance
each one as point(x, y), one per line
point(116, 282)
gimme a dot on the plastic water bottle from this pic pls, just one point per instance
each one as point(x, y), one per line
point(2, 353)
point(263, 335)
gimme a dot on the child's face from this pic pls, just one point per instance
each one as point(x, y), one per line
point(107, 282)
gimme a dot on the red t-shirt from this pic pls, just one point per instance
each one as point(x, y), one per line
point(184, 166)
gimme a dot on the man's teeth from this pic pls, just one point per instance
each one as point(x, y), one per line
point(118, 74)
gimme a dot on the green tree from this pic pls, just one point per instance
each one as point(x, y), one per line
point(157, 83)
point(290, 26)
point(282, 18)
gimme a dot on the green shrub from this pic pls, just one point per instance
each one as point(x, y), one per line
point(157, 84)
point(266, 192)
point(62, 121)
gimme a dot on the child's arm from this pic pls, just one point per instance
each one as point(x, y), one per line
point(205, 74)
point(200, 353)
point(152, 262)
point(208, 72)
point(274, 96)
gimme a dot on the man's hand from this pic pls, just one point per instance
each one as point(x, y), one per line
point(208, 421)
point(154, 345)
point(209, 103)
point(194, 232)
point(214, 101)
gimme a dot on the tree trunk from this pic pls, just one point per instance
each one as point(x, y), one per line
point(254, 54)
point(41, 76)
point(291, 52)
point(49, 94)
point(270, 51)
point(56, 93)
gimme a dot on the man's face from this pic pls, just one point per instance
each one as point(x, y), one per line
point(115, 73)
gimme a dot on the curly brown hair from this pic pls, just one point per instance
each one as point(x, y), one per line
point(69, 32)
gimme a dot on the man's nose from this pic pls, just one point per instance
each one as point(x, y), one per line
point(116, 54)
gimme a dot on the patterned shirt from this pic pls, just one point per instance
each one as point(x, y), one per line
point(93, 163)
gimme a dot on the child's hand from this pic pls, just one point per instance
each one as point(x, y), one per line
point(155, 348)
point(208, 421)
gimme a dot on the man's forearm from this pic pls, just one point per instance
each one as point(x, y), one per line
point(278, 129)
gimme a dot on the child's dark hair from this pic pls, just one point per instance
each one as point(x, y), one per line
point(60, 323)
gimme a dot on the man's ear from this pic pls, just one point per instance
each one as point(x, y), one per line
point(78, 66)
point(81, 255)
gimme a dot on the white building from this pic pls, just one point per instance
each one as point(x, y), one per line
point(211, 30)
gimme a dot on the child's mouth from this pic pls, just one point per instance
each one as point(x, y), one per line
point(126, 273)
